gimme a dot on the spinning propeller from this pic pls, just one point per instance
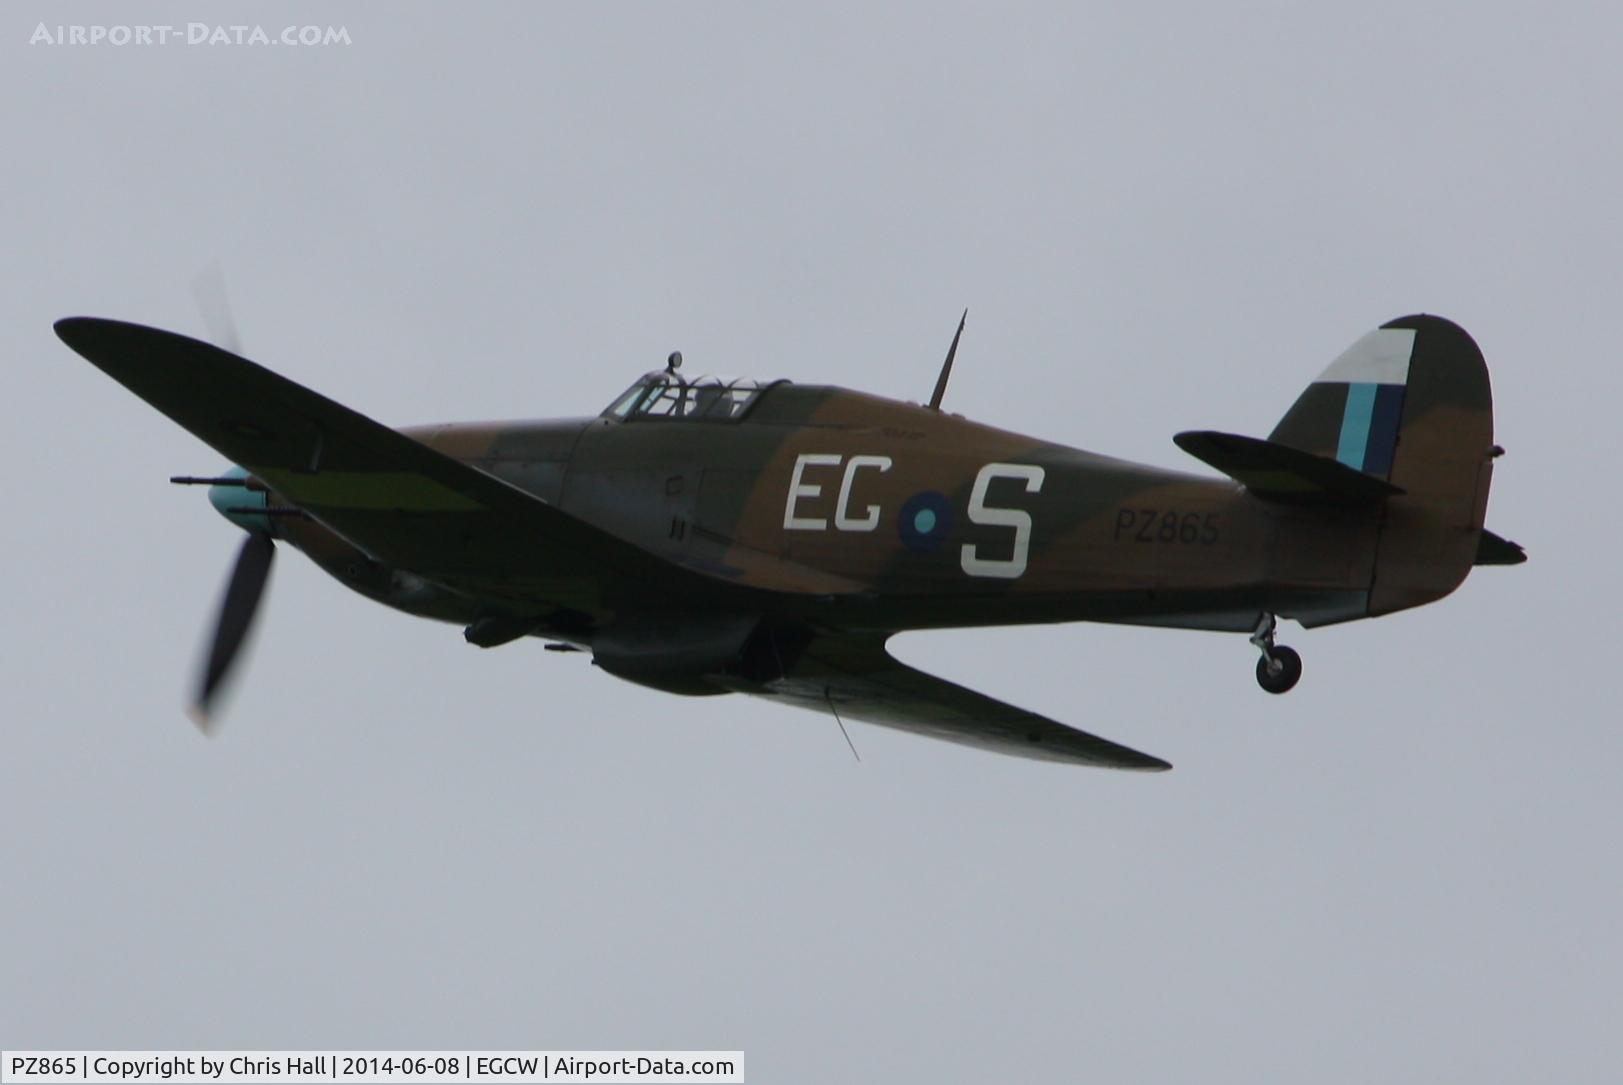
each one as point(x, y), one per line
point(229, 494)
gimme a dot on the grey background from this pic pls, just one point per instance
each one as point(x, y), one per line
point(1161, 217)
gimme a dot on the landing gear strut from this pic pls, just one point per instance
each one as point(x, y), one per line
point(1280, 668)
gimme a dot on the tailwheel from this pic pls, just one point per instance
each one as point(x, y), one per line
point(1280, 670)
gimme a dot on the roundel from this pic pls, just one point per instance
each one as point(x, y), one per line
point(925, 521)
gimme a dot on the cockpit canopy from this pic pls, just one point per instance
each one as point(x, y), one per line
point(668, 396)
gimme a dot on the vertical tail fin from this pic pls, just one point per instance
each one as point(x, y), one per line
point(1409, 403)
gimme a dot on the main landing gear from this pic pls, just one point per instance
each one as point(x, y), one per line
point(1280, 668)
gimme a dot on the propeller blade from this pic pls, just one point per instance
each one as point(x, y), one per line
point(237, 611)
point(209, 290)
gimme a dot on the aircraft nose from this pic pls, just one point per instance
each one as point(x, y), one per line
point(239, 504)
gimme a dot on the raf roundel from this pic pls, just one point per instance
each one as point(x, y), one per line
point(925, 521)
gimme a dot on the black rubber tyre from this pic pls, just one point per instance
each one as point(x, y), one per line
point(1289, 673)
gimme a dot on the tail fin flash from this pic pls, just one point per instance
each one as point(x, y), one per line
point(1352, 413)
point(1409, 403)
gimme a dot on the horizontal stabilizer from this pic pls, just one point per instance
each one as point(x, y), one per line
point(1277, 472)
point(1493, 550)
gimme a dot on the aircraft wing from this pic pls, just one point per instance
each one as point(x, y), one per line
point(403, 503)
point(853, 675)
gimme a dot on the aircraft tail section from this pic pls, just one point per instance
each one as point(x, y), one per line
point(1409, 404)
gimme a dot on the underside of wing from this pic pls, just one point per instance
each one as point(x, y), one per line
point(854, 677)
point(401, 502)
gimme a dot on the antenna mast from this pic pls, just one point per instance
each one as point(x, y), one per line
point(946, 367)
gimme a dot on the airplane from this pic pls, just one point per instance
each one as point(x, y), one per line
point(706, 535)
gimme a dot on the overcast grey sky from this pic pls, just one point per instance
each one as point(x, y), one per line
point(1161, 217)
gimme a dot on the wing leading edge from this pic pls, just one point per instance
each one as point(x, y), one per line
point(854, 676)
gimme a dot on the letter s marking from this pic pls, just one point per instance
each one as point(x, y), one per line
point(1015, 565)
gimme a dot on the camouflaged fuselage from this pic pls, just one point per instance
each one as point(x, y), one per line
point(902, 540)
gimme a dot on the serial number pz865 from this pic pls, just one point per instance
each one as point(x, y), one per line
point(22, 1066)
point(1167, 526)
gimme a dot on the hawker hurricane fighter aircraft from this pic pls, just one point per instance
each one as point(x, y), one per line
point(705, 536)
